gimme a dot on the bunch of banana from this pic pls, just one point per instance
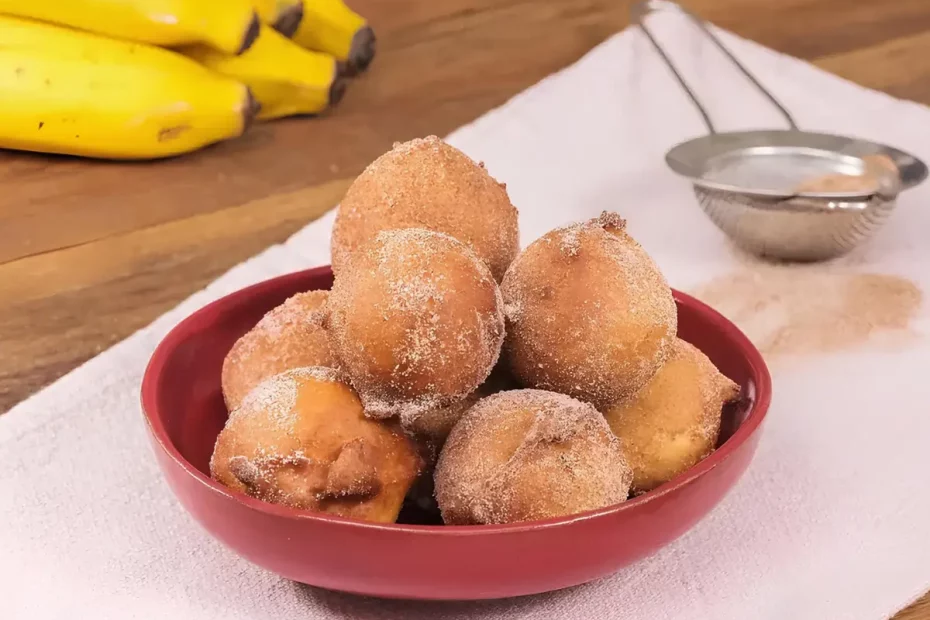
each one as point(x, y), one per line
point(228, 25)
point(92, 77)
point(285, 78)
point(71, 92)
point(331, 27)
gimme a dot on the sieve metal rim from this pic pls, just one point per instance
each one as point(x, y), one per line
point(689, 159)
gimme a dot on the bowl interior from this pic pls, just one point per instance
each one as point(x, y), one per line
point(188, 401)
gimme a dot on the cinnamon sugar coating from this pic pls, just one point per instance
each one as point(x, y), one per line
point(524, 455)
point(426, 183)
point(293, 335)
point(416, 321)
point(589, 314)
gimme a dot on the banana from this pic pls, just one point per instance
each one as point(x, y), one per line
point(290, 12)
point(77, 93)
point(282, 15)
point(17, 32)
point(285, 78)
point(267, 10)
point(228, 25)
point(330, 26)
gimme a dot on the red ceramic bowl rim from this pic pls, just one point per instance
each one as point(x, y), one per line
point(757, 411)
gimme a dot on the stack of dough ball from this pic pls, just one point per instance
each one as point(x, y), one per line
point(529, 454)
point(413, 415)
point(292, 335)
point(674, 421)
point(416, 321)
point(301, 439)
point(426, 183)
point(589, 314)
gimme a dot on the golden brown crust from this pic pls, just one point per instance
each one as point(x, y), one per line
point(674, 421)
point(529, 454)
point(293, 335)
point(301, 438)
point(588, 313)
point(426, 183)
point(416, 321)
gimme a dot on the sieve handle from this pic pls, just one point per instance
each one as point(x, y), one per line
point(641, 10)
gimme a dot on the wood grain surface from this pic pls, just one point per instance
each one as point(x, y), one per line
point(90, 251)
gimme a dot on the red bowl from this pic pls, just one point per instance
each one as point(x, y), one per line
point(184, 409)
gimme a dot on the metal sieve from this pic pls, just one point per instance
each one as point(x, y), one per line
point(787, 194)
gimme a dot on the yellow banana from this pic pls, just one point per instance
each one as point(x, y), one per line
point(285, 78)
point(282, 15)
point(228, 25)
point(77, 93)
point(17, 32)
point(331, 27)
point(267, 10)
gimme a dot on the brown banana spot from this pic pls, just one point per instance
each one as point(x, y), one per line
point(289, 20)
point(170, 133)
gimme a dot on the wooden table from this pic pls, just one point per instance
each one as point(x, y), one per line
point(90, 252)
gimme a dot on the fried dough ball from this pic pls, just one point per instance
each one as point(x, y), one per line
point(289, 336)
point(674, 421)
point(416, 321)
point(301, 439)
point(588, 313)
point(529, 454)
point(425, 183)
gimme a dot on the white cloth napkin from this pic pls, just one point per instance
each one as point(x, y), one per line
point(832, 520)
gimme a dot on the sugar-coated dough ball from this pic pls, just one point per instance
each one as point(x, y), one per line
point(301, 438)
point(425, 183)
point(588, 313)
point(674, 421)
point(529, 454)
point(289, 336)
point(416, 321)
